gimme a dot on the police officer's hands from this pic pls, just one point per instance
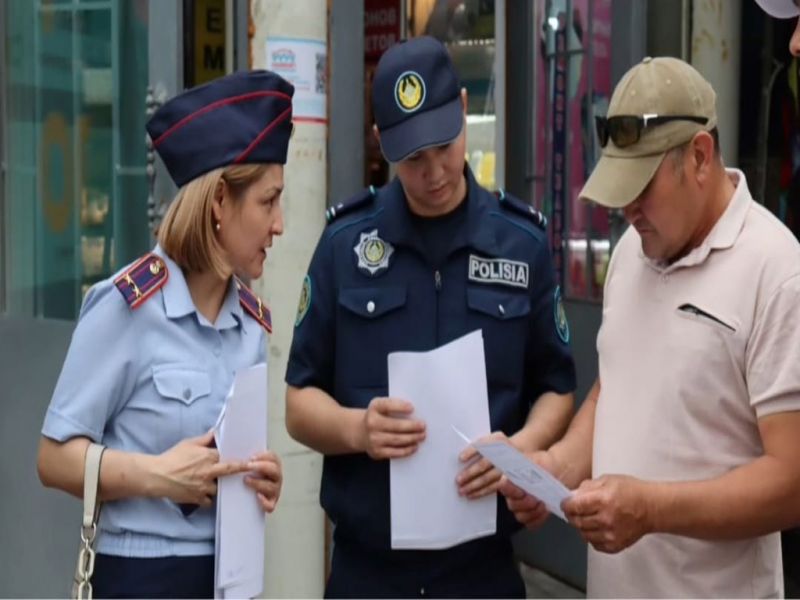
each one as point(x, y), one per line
point(187, 472)
point(388, 431)
point(611, 512)
point(266, 478)
point(479, 478)
point(527, 509)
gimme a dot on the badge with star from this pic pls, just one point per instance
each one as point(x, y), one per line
point(372, 253)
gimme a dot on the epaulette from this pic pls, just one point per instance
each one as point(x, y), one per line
point(253, 304)
point(523, 208)
point(364, 198)
point(142, 279)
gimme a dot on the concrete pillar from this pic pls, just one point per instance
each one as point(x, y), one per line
point(716, 46)
point(295, 534)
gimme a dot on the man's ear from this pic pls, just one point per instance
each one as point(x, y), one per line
point(377, 134)
point(464, 100)
point(702, 155)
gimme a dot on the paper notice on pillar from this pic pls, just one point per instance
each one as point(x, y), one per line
point(240, 433)
point(446, 386)
point(302, 63)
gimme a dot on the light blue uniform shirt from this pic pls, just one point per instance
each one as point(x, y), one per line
point(143, 380)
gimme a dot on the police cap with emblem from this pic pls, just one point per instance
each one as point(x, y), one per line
point(245, 117)
point(416, 98)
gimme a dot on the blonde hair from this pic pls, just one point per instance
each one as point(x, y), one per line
point(187, 232)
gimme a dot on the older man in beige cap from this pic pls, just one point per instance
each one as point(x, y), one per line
point(685, 453)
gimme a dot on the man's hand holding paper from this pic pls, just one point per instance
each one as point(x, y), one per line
point(389, 429)
point(479, 477)
point(524, 474)
point(528, 509)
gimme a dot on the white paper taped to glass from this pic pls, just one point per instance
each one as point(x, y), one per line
point(523, 473)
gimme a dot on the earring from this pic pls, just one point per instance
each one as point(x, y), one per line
point(217, 227)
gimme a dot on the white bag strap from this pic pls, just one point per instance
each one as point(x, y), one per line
point(91, 480)
point(91, 510)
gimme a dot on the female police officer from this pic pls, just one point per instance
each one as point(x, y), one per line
point(156, 347)
point(425, 260)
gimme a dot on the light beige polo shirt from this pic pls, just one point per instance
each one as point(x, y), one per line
point(691, 355)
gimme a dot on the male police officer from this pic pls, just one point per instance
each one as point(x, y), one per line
point(414, 265)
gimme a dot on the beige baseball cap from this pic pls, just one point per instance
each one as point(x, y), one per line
point(780, 9)
point(660, 87)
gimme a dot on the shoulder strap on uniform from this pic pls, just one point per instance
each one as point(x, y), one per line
point(509, 202)
point(254, 305)
point(363, 198)
point(142, 279)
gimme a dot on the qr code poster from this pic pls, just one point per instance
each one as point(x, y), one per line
point(302, 63)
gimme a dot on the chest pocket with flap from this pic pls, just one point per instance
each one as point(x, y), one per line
point(184, 383)
point(501, 305)
point(373, 302)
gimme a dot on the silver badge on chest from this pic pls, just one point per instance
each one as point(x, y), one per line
point(373, 253)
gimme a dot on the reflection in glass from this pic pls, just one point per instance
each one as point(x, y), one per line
point(66, 119)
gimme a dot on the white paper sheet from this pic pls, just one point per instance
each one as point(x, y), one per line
point(241, 432)
point(523, 473)
point(446, 385)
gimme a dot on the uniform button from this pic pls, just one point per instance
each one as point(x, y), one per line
point(187, 393)
point(665, 278)
point(501, 309)
point(370, 307)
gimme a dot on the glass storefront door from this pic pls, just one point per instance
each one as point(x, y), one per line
point(75, 192)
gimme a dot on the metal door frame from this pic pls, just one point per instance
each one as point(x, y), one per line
point(165, 80)
point(4, 220)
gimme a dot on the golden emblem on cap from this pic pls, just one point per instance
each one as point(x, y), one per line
point(409, 91)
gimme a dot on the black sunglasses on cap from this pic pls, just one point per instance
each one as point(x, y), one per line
point(626, 130)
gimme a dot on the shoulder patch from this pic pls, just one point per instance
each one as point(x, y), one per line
point(560, 316)
point(254, 305)
point(509, 202)
point(364, 198)
point(142, 279)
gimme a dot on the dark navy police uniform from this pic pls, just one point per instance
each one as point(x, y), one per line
point(372, 289)
point(383, 280)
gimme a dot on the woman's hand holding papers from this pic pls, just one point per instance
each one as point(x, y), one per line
point(188, 472)
point(266, 478)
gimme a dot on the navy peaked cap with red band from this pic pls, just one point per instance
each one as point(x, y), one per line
point(245, 117)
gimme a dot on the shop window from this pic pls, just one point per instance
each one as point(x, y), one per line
point(467, 28)
point(75, 186)
point(573, 84)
